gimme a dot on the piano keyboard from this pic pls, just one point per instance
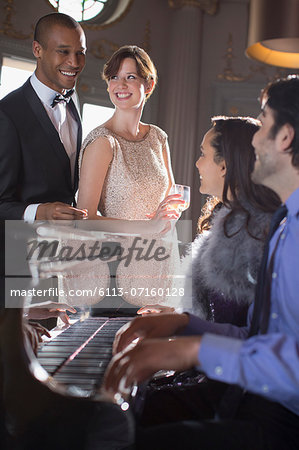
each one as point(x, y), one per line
point(78, 357)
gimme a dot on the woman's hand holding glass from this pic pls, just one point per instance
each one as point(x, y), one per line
point(166, 211)
point(168, 207)
point(184, 192)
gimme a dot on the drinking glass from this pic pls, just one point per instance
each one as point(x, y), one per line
point(184, 192)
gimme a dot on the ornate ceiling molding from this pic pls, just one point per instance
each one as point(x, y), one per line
point(7, 28)
point(228, 73)
point(208, 6)
point(103, 49)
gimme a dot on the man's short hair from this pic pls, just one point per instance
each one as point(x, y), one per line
point(282, 96)
point(46, 22)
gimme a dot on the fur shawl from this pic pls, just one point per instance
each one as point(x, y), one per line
point(227, 266)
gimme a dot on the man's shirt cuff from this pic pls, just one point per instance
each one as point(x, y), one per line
point(30, 213)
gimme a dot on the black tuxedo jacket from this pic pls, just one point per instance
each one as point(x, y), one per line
point(34, 166)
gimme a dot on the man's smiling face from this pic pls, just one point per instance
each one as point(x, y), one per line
point(264, 144)
point(61, 57)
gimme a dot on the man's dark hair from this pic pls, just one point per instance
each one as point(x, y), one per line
point(282, 96)
point(46, 22)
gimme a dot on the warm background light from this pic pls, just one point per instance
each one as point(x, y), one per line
point(273, 34)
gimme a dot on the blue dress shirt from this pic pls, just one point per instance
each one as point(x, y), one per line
point(266, 364)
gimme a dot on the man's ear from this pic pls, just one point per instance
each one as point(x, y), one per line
point(36, 49)
point(287, 134)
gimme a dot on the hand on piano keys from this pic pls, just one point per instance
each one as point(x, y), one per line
point(149, 326)
point(140, 362)
point(35, 333)
point(45, 310)
point(155, 309)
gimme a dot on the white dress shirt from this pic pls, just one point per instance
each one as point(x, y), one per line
point(66, 127)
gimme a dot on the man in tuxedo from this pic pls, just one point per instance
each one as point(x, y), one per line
point(250, 399)
point(40, 129)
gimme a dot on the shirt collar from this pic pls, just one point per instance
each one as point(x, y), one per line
point(45, 93)
point(292, 203)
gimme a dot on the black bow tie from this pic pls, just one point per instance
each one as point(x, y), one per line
point(62, 98)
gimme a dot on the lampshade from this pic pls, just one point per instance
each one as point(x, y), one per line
point(273, 35)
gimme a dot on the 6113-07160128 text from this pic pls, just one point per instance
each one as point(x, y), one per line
point(109, 292)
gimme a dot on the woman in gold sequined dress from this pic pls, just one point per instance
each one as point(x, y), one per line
point(125, 170)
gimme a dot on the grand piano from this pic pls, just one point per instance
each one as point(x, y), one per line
point(78, 357)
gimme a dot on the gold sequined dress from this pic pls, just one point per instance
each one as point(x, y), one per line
point(137, 179)
point(136, 182)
